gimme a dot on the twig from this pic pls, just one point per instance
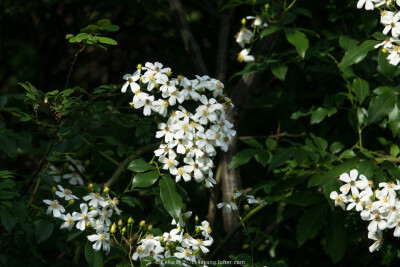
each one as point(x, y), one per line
point(41, 163)
point(72, 65)
point(34, 192)
point(191, 45)
point(272, 136)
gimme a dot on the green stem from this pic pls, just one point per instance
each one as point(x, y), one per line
point(34, 192)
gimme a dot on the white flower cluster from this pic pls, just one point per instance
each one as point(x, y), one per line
point(381, 207)
point(95, 214)
point(390, 20)
point(231, 205)
point(72, 174)
point(175, 243)
point(189, 139)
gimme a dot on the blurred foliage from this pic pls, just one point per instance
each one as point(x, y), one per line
point(325, 103)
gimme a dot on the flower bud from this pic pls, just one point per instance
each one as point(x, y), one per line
point(197, 230)
point(156, 85)
point(90, 187)
point(384, 50)
point(130, 221)
point(120, 223)
point(196, 219)
point(243, 21)
point(71, 202)
point(139, 66)
point(88, 224)
point(169, 73)
point(234, 198)
point(180, 78)
point(131, 104)
point(46, 100)
point(149, 227)
point(91, 208)
point(105, 190)
point(246, 207)
point(140, 79)
point(161, 239)
point(266, 7)
point(113, 229)
point(123, 231)
point(115, 200)
point(142, 224)
point(54, 189)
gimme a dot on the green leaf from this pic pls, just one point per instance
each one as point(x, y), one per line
point(43, 230)
point(254, 143)
point(171, 199)
point(380, 107)
point(262, 157)
point(7, 220)
point(346, 42)
point(387, 69)
point(94, 258)
point(361, 88)
point(269, 30)
point(104, 22)
point(280, 71)
point(242, 157)
point(318, 115)
point(336, 147)
point(357, 53)
point(298, 39)
point(394, 150)
point(74, 233)
point(81, 36)
point(145, 179)
point(280, 158)
point(336, 237)
point(310, 223)
point(110, 28)
point(8, 145)
point(106, 40)
point(271, 143)
point(139, 165)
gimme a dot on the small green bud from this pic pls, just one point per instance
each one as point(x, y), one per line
point(90, 187)
point(197, 230)
point(139, 66)
point(113, 229)
point(384, 50)
point(161, 239)
point(91, 208)
point(156, 85)
point(149, 227)
point(246, 207)
point(196, 219)
point(54, 189)
point(123, 231)
point(106, 190)
point(71, 202)
point(120, 223)
point(88, 224)
point(243, 21)
point(142, 224)
point(266, 7)
point(130, 221)
point(169, 73)
point(131, 104)
point(46, 100)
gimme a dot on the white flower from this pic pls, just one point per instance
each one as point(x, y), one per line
point(229, 206)
point(369, 4)
point(182, 218)
point(395, 222)
point(95, 200)
point(339, 199)
point(105, 214)
point(54, 207)
point(244, 56)
point(258, 21)
point(69, 222)
point(65, 193)
point(244, 36)
point(74, 177)
point(169, 164)
point(205, 229)
point(83, 217)
point(377, 236)
point(350, 181)
point(100, 239)
point(55, 173)
point(186, 254)
point(131, 81)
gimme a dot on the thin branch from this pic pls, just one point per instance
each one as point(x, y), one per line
point(272, 136)
point(42, 161)
point(72, 65)
point(191, 45)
